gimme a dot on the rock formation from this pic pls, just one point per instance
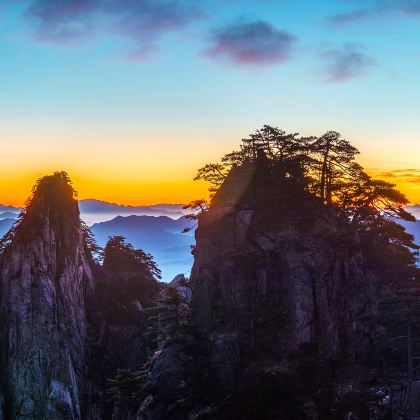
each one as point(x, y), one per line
point(279, 293)
point(45, 278)
point(68, 324)
point(270, 277)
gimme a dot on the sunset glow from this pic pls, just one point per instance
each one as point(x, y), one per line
point(131, 114)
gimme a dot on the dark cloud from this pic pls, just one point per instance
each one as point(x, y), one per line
point(346, 63)
point(407, 8)
point(143, 21)
point(256, 43)
point(61, 21)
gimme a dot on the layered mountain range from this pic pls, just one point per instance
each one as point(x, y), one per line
point(157, 229)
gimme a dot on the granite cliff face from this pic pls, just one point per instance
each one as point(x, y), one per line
point(45, 278)
point(277, 294)
point(67, 323)
point(271, 275)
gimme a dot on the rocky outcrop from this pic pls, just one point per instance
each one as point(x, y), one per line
point(273, 288)
point(67, 323)
point(273, 273)
point(45, 277)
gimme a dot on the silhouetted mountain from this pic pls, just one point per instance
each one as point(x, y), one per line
point(159, 236)
point(8, 215)
point(12, 209)
point(5, 225)
point(93, 211)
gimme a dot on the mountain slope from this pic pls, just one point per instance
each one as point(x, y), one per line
point(5, 225)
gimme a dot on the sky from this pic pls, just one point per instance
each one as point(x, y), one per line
point(130, 97)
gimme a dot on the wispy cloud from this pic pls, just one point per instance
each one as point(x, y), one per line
point(142, 21)
point(345, 63)
point(409, 175)
point(350, 17)
point(255, 43)
point(406, 8)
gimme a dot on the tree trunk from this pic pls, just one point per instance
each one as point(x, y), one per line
point(329, 186)
point(324, 171)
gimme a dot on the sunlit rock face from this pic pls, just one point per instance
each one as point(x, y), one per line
point(45, 277)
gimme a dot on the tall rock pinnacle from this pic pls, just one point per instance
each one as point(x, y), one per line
point(44, 279)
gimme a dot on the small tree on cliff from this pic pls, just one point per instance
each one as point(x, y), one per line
point(92, 248)
point(170, 317)
point(197, 207)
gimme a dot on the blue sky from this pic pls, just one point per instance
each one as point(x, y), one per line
point(131, 96)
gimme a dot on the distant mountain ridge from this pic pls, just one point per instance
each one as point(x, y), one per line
point(5, 225)
point(11, 209)
point(93, 210)
point(97, 206)
point(155, 229)
point(160, 236)
point(8, 215)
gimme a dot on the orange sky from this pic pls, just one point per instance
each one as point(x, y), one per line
point(16, 187)
point(134, 129)
point(161, 170)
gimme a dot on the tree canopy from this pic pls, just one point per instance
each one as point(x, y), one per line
point(121, 256)
point(327, 167)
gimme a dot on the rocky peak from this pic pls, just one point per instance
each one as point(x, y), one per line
point(45, 277)
point(269, 279)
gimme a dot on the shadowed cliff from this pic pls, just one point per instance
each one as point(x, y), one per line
point(45, 278)
point(297, 284)
point(68, 322)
